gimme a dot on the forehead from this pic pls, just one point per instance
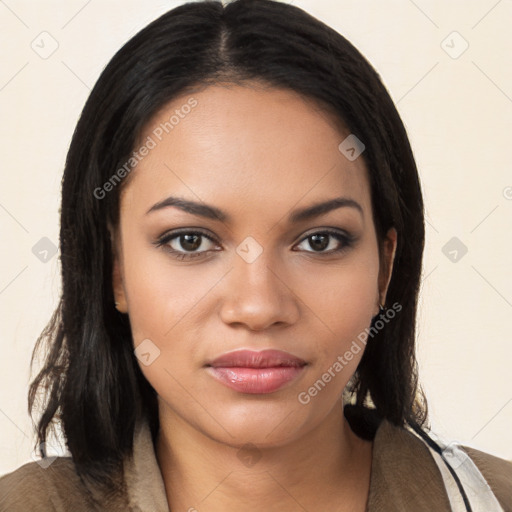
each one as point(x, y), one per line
point(245, 146)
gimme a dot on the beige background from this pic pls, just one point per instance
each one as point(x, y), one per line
point(458, 112)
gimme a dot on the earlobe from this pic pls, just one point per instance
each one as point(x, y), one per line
point(118, 288)
point(388, 251)
point(117, 278)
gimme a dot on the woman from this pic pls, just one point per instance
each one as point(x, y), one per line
point(241, 245)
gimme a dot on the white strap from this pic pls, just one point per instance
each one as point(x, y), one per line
point(454, 495)
point(478, 491)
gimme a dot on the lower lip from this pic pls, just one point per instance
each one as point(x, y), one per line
point(255, 380)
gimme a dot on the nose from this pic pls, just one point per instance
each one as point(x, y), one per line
point(258, 295)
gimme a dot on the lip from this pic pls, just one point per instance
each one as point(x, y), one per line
point(256, 359)
point(253, 372)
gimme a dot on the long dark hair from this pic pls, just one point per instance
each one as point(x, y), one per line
point(91, 382)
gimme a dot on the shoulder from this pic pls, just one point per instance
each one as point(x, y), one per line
point(497, 472)
point(404, 470)
point(40, 487)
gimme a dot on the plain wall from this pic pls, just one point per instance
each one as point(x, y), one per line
point(458, 112)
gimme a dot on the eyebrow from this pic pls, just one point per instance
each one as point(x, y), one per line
point(214, 213)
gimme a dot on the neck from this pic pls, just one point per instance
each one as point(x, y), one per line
point(327, 466)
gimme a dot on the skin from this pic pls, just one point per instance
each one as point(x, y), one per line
point(257, 153)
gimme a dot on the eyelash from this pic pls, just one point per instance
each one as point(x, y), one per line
point(346, 239)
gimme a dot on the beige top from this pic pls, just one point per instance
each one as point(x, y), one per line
point(404, 478)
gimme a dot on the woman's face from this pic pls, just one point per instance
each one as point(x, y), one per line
point(242, 265)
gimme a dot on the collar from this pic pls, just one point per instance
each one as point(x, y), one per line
point(145, 485)
point(404, 475)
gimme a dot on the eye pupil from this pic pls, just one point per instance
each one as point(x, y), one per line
point(319, 241)
point(190, 242)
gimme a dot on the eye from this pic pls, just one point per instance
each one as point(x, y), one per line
point(327, 241)
point(187, 244)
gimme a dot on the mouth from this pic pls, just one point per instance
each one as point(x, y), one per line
point(253, 372)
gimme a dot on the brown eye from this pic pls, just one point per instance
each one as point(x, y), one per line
point(190, 242)
point(327, 242)
point(319, 242)
point(185, 245)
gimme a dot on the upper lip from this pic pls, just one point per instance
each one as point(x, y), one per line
point(253, 359)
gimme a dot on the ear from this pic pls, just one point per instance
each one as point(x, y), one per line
point(387, 258)
point(117, 272)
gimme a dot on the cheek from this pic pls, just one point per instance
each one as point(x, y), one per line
point(344, 297)
point(161, 300)
point(344, 306)
point(342, 300)
point(165, 300)
point(160, 291)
